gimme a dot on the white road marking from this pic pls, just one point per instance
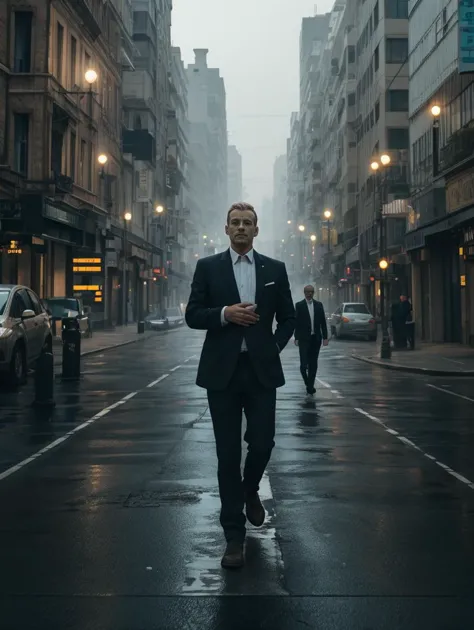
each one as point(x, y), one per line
point(447, 391)
point(158, 380)
point(13, 469)
point(175, 368)
point(411, 444)
point(323, 383)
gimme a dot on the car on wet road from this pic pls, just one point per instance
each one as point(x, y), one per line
point(25, 332)
point(353, 319)
point(172, 318)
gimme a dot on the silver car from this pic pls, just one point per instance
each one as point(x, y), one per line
point(25, 331)
point(353, 319)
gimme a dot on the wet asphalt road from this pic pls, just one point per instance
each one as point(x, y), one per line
point(114, 523)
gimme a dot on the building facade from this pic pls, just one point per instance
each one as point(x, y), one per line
point(234, 175)
point(440, 239)
point(207, 194)
point(382, 55)
point(61, 109)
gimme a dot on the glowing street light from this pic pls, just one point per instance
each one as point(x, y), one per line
point(313, 238)
point(127, 216)
point(301, 228)
point(327, 214)
point(289, 221)
point(375, 166)
point(436, 111)
point(385, 159)
point(102, 159)
point(383, 264)
point(159, 209)
point(90, 76)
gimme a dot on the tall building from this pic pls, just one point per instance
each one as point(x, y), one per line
point(381, 127)
point(207, 198)
point(440, 239)
point(234, 175)
point(279, 205)
point(60, 109)
point(179, 221)
point(339, 235)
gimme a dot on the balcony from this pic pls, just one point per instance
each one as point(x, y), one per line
point(459, 147)
point(63, 183)
point(141, 144)
point(84, 10)
point(138, 90)
point(143, 27)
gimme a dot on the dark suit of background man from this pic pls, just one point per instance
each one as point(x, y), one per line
point(310, 330)
point(235, 296)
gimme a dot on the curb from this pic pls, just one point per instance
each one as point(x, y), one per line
point(412, 370)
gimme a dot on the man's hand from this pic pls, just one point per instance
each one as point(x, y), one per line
point(239, 314)
point(325, 342)
point(296, 342)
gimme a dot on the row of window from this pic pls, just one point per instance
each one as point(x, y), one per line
point(394, 10)
point(396, 51)
point(80, 154)
point(70, 61)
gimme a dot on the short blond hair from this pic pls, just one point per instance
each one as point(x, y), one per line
point(241, 206)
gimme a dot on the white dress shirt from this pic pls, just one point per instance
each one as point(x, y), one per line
point(310, 305)
point(246, 280)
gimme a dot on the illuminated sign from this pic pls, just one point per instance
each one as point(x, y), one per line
point(97, 299)
point(14, 248)
point(86, 287)
point(87, 261)
point(87, 269)
point(463, 281)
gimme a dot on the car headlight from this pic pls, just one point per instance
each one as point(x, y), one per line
point(5, 333)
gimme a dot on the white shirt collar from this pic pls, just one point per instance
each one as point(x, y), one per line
point(236, 257)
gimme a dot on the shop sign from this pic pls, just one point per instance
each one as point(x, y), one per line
point(87, 265)
point(460, 192)
point(56, 214)
point(111, 258)
point(13, 249)
point(466, 36)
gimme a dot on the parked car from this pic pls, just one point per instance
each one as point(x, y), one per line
point(59, 307)
point(172, 318)
point(25, 331)
point(353, 319)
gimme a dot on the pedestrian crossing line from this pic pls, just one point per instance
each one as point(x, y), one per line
point(412, 444)
point(447, 391)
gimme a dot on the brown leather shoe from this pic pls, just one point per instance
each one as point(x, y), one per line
point(254, 509)
point(233, 557)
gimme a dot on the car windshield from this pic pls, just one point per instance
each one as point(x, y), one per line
point(3, 300)
point(356, 308)
point(153, 316)
point(59, 306)
point(173, 312)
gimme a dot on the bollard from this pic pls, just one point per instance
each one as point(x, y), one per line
point(44, 381)
point(141, 328)
point(71, 336)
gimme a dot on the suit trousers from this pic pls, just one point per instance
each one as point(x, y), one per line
point(309, 355)
point(244, 394)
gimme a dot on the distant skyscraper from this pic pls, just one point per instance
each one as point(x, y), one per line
point(234, 175)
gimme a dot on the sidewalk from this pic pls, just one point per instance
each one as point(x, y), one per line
point(432, 359)
point(102, 340)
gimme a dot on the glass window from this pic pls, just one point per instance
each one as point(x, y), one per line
point(396, 9)
point(356, 308)
point(38, 309)
point(60, 306)
point(18, 306)
point(396, 50)
point(398, 138)
point(397, 101)
point(22, 50)
point(21, 123)
point(3, 300)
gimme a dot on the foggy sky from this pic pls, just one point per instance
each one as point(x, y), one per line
point(255, 43)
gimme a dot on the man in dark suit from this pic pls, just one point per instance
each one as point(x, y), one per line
point(310, 330)
point(235, 296)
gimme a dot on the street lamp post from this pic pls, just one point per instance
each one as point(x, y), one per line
point(435, 112)
point(385, 348)
point(127, 217)
point(301, 229)
point(327, 216)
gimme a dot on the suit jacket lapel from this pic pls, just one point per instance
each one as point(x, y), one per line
point(259, 278)
point(228, 279)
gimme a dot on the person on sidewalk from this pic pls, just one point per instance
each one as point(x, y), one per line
point(310, 330)
point(401, 316)
point(235, 296)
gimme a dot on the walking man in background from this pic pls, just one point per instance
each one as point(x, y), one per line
point(235, 296)
point(310, 330)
